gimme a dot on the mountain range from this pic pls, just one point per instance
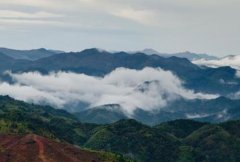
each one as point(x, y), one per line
point(93, 62)
point(36, 54)
point(99, 63)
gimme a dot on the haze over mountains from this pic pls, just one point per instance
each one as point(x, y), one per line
point(188, 55)
point(138, 84)
point(34, 54)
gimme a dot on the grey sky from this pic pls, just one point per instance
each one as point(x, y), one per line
point(203, 26)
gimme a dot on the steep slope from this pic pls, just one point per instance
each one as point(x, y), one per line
point(17, 117)
point(35, 148)
point(31, 147)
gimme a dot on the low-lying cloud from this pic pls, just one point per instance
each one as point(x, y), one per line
point(232, 61)
point(148, 89)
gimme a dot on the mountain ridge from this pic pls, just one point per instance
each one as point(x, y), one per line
point(33, 54)
point(189, 55)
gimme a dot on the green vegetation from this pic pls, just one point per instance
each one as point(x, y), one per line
point(135, 140)
point(20, 118)
point(186, 154)
point(180, 128)
point(111, 157)
point(175, 141)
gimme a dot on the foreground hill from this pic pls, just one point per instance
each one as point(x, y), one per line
point(29, 148)
point(180, 140)
point(17, 117)
point(135, 140)
point(175, 141)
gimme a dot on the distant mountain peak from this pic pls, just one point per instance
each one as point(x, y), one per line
point(150, 51)
point(94, 50)
point(41, 49)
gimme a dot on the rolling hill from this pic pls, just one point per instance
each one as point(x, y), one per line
point(179, 140)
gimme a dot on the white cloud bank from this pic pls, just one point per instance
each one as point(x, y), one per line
point(148, 89)
point(232, 61)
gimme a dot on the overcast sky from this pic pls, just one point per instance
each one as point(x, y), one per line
point(203, 26)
